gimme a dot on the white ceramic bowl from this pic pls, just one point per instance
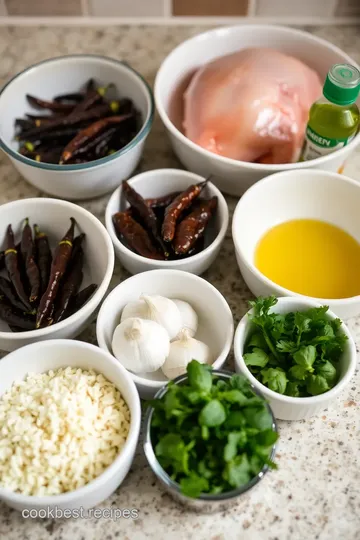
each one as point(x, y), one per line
point(290, 195)
point(172, 78)
point(155, 184)
point(216, 327)
point(41, 357)
point(286, 407)
point(68, 74)
point(53, 217)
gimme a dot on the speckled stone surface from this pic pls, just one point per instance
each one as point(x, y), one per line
point(315, 494)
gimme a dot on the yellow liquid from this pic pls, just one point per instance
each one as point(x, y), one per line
point(311, 257)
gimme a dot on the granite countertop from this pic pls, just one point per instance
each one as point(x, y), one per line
point(315, 494)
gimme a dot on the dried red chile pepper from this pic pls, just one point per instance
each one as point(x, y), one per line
point(188, 213)
point(75, 96)
point(58, 282)
point(135, 236)
point(44, 257)
point(162, 202)
point(146, 213)
point(58, 267)
point(85, 135)
point(77, 128)
point(13, 269)
point(81, 298)
point(71, 286)
point(7, 290)
point(28, 256)
point(192, 227)
point(51, 105)
point(13, 317)
point(177, 207)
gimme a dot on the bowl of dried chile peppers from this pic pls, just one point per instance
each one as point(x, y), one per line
point(75, 126)
point(167, 218)
point(56, 262)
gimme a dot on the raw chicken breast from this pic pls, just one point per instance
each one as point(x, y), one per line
point(252, 105)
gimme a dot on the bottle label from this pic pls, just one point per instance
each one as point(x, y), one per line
point(316, 145)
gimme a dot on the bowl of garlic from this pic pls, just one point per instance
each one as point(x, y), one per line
point(156, 322)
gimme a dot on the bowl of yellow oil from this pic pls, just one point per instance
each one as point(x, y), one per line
point(297, 233)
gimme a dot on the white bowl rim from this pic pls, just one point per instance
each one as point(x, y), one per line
point(134, 430)
point(144, 131)
point(173, 273)
point(312, 400)
point(181, 262)
point(95, 299)
point(234, 162)
point(282, 291)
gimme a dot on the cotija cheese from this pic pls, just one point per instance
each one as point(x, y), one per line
point(59, 430)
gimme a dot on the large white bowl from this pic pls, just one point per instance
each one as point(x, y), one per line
point(290, 195)
point(286, 407)
point(53, 217)
point(233, 176)
point(68, 74)
point(216, 326)
point(41, 357)
point(155, 184)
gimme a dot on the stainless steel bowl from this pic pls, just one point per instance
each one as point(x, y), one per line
point(205, 503)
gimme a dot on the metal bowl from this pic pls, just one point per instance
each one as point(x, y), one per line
point(205, 503)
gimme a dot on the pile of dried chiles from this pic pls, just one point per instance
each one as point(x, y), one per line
point(41, 290)
point(165, 228)
point(81, 127)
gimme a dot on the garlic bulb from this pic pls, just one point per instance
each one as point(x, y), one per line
point(155, 308)
point(182, 351)
point(189, 317)
point(140, 345)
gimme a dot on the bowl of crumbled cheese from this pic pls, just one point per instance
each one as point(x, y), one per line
point(69, 425)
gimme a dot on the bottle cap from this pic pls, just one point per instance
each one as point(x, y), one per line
point(342, 85)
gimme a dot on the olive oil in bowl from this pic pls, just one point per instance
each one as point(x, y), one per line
point(310, 257)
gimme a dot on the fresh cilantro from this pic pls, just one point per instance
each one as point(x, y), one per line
point(316, 384)
point(292, 388)
point(211, 435)
point(328, 371)
point(275, 379)
point(257, 357)
point(305, 357)
point(296, 354)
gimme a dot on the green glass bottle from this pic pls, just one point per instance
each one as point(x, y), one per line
point(334, 118)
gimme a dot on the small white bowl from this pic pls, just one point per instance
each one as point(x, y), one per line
point(53, 217)
point(41, 357)
point(216, 326)
point(230, 175)
point(155, 184)
point(68, 74)
point(287, 407)
point(291, 195)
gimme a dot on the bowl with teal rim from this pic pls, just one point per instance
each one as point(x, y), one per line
point(205, 503)
point(68, 74)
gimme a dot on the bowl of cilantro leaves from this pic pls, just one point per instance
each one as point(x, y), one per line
point(296, 352)
point(209, 437)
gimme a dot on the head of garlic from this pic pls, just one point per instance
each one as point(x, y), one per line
point(182, 351)
point(189, 317)
point(158, 309)
point(141, 346)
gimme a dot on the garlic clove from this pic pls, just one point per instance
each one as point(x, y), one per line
point(182, 351)
point(158, 309)
point(189, 317)
point(140, 345)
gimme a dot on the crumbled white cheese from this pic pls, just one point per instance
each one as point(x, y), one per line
point(59, 430)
